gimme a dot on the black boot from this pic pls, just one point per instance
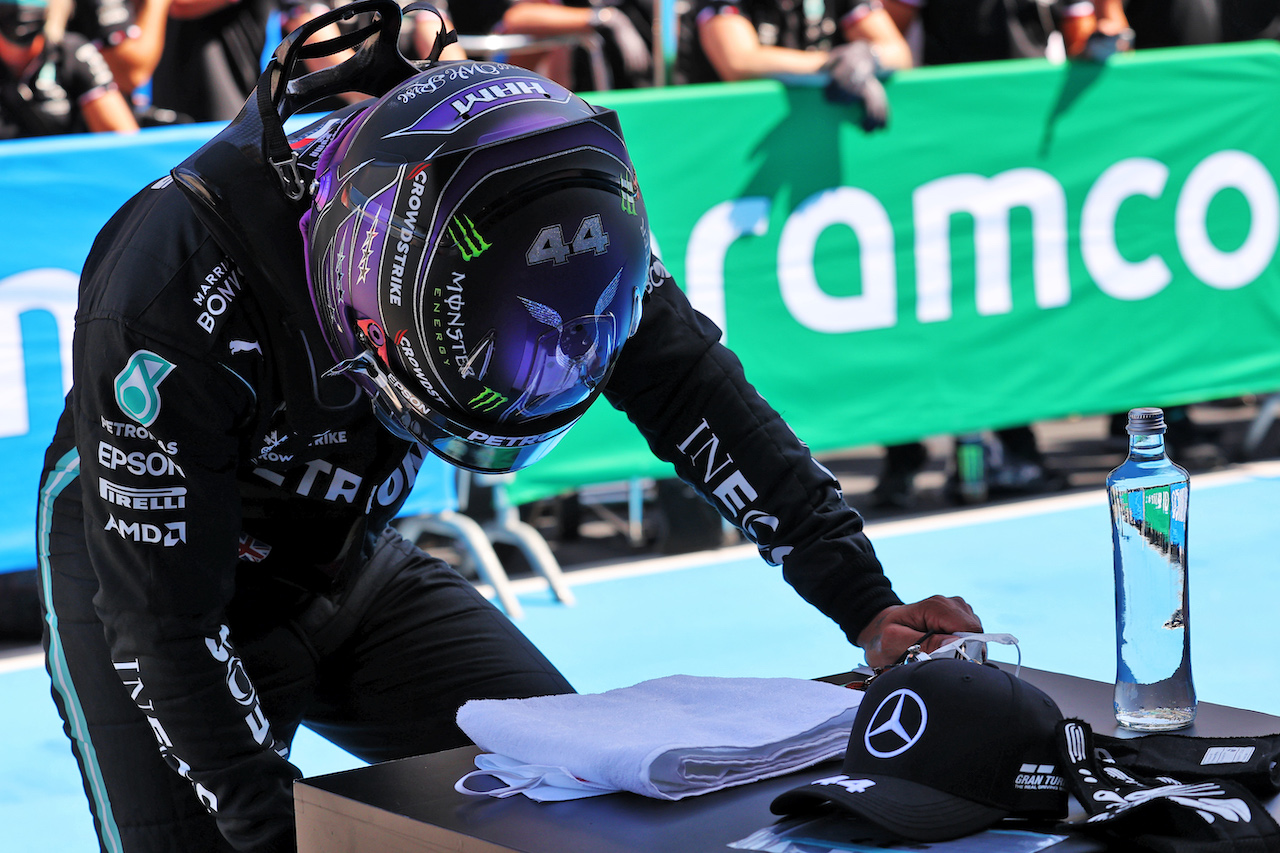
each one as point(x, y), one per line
point(896, 488)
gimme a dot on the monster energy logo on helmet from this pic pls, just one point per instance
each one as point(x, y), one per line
point(467, 238)
point(487, 400)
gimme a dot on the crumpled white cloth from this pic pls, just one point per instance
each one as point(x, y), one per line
point(667, 738)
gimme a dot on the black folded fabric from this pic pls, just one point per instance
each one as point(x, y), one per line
point(1251, 761)
point(1159, 813)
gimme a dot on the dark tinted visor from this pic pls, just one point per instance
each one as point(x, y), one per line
point(405, 415)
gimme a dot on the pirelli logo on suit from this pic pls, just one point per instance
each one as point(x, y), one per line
point(143, 500)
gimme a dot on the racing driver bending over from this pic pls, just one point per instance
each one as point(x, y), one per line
point(267, 343)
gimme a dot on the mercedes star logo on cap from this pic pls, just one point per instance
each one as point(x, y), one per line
point(896, 725)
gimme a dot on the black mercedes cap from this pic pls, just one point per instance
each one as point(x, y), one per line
point(943, 748)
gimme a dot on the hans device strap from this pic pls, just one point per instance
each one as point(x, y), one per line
point(376, 67)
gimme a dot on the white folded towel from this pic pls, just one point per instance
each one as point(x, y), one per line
point(667, 738)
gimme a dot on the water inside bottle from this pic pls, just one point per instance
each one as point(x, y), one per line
point(1153, 655)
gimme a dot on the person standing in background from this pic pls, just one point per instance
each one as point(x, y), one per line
point(854, 42)
point(212, 57)
point(624, 28)
point(954, 31)
point(53, 83)
point(130, 36)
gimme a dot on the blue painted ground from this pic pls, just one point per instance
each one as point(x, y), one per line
point(1039, 570)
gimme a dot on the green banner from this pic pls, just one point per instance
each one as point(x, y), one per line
point(1026, 241)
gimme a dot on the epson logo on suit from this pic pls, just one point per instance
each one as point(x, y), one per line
point(154, 464)
point(144, 500)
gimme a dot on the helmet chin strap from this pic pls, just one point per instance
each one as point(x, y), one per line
point(376, 66)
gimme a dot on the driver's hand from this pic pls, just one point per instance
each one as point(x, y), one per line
point(895, 629)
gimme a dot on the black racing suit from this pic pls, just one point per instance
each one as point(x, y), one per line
point(214, 549)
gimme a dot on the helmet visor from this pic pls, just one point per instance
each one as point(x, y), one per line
point(407, 417)
point(565, 365)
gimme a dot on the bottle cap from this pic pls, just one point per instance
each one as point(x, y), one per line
point(1146, 421)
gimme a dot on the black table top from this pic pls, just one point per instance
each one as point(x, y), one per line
point(418, 794)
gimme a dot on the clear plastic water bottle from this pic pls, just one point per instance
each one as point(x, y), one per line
point(1148, 496)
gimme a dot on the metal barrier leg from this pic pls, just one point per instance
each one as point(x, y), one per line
point(507, 527)
point(473, 540)
point(535, 549)
point(1261, 425)
point(635, 511)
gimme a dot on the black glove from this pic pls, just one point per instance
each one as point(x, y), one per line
point(855, 78)
point(636, 57)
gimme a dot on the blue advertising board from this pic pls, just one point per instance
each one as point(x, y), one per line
point(58, 192)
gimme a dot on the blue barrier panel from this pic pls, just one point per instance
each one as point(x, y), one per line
point(59, 193)
point(435, 489)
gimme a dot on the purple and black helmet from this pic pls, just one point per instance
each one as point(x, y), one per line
point(477, 249)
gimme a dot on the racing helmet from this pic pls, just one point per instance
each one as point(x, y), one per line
point(477, 249)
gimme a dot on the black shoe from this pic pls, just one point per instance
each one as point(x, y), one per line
point(897, 487)
point(895, 491)
point(1187, 435)
point(1021, 477)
